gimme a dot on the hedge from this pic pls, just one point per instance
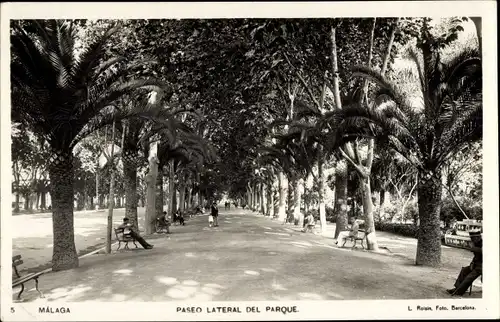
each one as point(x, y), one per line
point(407, 230)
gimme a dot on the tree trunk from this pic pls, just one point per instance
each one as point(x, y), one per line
point(335, 70)
point(129, 160)
point(171, 189)
point(182, 194)
point(429, 233)
point(263, 198)
point(111, 204)
point(151, 195)
point(371, 238)
point(174, 199)
point(80, 201)
point(283, 192)
point(43, 200)
point(18, 196)
point(321, 193)
point(64, 254)
point(341, 197)
point(389, 47)
point(189, 195)
point(256, 198)
point(290, 201)
point(159, 192)
point(370, 56)
point(97, 196)
point(270, 203)
point(477, 24)
point(249, 197)
point(381, 208)
point(297, 196)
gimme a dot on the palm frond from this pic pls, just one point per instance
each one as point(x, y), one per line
point(390, 90)
point(468, 127)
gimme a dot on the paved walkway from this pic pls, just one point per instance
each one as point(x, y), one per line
point(249, 257)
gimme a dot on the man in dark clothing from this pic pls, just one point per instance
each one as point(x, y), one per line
point(128, 229)
point(215, 214)
point(469, 273)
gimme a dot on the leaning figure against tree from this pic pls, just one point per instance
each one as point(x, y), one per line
point(468, 274)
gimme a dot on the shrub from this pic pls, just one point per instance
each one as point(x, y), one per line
point(330, 214)
point(407, 230)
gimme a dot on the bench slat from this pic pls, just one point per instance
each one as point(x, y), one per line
point(25, 278)
point(16, 257)
point(17, 262)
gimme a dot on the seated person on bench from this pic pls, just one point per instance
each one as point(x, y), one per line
point(309, 223)
point(469, 273)
point(165, 222)
point(128, 229)
point(178, 218)
point(353, 232)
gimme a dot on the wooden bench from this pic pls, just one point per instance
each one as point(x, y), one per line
point(354, 239)
point(124, 238)
point(309, 227)
point(470, 288)
point(20, 280)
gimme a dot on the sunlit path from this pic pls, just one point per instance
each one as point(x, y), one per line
point(248, 257)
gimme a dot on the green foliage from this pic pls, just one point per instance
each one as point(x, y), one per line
point(407, 230)
point(63, 97)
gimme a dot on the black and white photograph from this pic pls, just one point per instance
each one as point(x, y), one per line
point(252, 163)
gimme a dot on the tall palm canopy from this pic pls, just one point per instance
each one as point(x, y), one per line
point(426, 132)
point(63, 97)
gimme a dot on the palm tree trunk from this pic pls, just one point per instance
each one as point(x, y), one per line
point(429, 233)
point(151, 195)
point(129, 160)
point(341, 197)
point(64, 254)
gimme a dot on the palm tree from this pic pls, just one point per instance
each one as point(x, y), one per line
point(427, 134)
point(63, 98)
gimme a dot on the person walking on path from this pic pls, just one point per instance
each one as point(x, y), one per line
point(215, 214)
point(352, 232)
point(469, 273)
point(128, 229)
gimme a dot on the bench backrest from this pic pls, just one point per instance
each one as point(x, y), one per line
point(16, 261)
point(121, 236)
point(361, 233)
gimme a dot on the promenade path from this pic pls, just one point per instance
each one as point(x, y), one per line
point(249, 257)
